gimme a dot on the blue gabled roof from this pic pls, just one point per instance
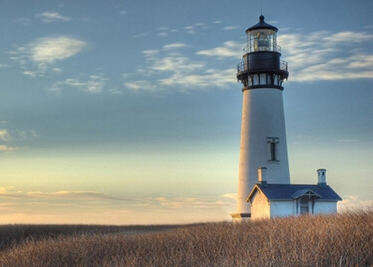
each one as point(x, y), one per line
point(292, 191)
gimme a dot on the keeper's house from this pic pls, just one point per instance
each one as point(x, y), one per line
point(279, 200)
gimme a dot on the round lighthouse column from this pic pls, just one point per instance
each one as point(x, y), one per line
point(263, 135)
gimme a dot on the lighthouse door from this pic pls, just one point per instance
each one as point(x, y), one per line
point(304, 206)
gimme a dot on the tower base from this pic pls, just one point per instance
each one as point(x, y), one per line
point(239, 217)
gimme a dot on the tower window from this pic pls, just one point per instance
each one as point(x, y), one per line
point(273, 151)
point(272, 148)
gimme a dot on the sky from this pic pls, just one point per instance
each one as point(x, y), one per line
point(129, 112)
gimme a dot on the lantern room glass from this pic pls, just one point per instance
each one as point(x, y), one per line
point(261, 40)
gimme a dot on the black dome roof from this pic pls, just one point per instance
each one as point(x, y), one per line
point(261, 25)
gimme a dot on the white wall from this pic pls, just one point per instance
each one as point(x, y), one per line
point(262, 117)
point(262, 209)
point(325, 207)
point(281, 208)
point(260, 206)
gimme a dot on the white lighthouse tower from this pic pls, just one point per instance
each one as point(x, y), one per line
point(263, 137)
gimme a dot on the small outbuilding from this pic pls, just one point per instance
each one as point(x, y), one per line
point(280, 200)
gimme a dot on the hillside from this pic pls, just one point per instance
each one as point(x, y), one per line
point(328, 240)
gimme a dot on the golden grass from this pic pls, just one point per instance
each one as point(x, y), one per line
point(328, 240)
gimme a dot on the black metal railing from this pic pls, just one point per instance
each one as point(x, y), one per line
point(261, 64)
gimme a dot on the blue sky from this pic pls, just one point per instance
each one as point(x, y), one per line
point(129, 112)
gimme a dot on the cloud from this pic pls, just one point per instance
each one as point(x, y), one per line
point(174, 46)
point(230, 28)
point(4, 148)
point(45, 52)
point(190, 29)
point(208, 78)
point(24, 21)
point(327, 56)
point(347, 140)
point(194, 202)
point(143, 85)
point(144, 34)
point(115, 91)
point(48, 50)
point(25, 135)
point(5, 136)
point(231, 196)
point(228, 49)
point(174, 69)
point(354, 202)
point(314, 56)
point(163, 34)
point(94, 84)
point(49, 17)
point(32, 74)
point(16, 136)
point(6, 192)
point(73, 195)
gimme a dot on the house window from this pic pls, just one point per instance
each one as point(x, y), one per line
point(272, 148)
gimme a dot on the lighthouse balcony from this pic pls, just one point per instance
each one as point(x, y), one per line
point(261, 65)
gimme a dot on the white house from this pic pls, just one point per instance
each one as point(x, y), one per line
point(279, 200)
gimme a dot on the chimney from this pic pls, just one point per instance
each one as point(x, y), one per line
point(262, 176)
point(321, 177)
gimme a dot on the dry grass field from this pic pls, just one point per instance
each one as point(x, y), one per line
point(329, 240)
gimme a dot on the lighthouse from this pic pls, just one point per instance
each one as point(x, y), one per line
point(263, 147)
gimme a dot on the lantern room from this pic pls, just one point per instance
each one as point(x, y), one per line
point(261, 37)
point(261, 66)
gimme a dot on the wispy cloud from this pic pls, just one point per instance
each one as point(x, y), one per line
point(4, 148)
point(24, 21)
point(228, 49)
point(11, 140)
point(45, 52)
point(347, 140)
point(354, 202)
point(48, 50)
point(70, 195)
point(49, 17)
point(327, 56)
point(9, 192)
point(93, 84)
point(143, 85)
point(5, 136)
point(193, 29)
point(230, 28)
point(175, 69)
point(174, 46)
point(311, 57)
point(26, 135)
point(143, 34)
